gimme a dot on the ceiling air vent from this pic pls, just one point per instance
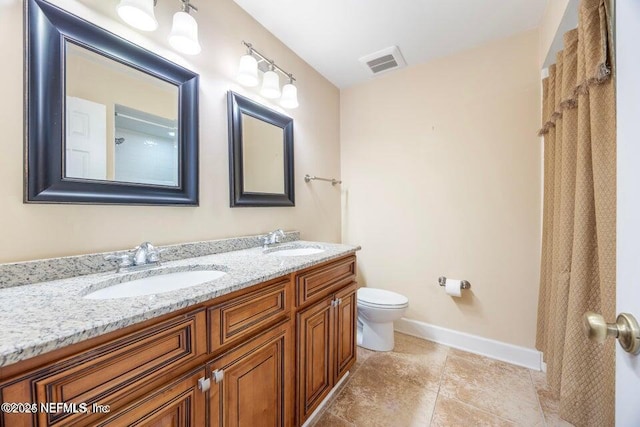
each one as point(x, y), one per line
point(383, 60)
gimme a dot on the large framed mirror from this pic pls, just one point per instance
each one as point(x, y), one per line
point(108, 122)
point(260, 154)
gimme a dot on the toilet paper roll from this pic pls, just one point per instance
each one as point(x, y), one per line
point(452, 287)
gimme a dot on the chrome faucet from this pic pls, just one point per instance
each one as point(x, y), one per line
point(272, 238)
point(146, 254)
point(143, 256)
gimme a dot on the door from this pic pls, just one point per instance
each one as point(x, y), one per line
point(252, 385)
point(180, 404)
point(315, 355)
point(346, 323)
point(628, 217)
point(86, 139)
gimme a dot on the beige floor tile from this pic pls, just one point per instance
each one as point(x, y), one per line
point(424, 371)
point(373, 398)
point(400, 388)
point(362, 355)
point(549, 403)
point(451, 412)
point(496, 387)
point(326, 419)
point(412, 345)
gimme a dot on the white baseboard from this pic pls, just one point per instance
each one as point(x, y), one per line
point(516, 355)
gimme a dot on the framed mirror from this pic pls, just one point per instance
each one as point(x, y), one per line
point(108, 122)
point(260, 154)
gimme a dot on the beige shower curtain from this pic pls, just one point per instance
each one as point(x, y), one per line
point(578, 244)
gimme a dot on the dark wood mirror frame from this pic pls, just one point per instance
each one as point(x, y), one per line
point(238, 105)
point(47, 28)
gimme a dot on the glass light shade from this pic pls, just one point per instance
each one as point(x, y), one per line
point(248, 71)
point(289, 96)
point(184, 34)
point(270, 85)
point(138, 13)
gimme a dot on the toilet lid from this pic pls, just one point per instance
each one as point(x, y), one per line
point(381, 297)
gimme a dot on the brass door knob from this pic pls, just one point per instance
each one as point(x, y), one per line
point(626, 330)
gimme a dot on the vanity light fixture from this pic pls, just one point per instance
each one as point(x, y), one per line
point(248, 76)
point(248, 70)
point(138, 13)
point(270, 84)
point(289, 95)
point(184, 32)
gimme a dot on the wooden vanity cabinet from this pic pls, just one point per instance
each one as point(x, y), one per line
point(326, 331)
point(230, 361)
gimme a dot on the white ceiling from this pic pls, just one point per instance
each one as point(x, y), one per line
point(332, 34)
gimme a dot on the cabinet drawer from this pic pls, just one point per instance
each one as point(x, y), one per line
point(246, 315)
point(180, 403)
point(113, 373)
point(315, 284)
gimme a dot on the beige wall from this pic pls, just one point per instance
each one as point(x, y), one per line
point(441, 172)
point(38, 230)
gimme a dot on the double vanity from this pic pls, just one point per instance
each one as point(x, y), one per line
point(235, 332)
point(257, 336)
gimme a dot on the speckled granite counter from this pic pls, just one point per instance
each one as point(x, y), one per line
point(41, 317)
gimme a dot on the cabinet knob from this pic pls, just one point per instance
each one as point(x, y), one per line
point(204, 384)
point(218, 375)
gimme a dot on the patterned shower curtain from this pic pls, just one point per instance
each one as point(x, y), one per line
point(578, 269)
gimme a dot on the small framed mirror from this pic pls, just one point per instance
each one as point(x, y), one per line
point(108, 121)
point(260, 154)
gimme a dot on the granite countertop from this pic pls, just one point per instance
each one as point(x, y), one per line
point(41, 317)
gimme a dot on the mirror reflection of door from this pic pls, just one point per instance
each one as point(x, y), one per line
point(121, 122)
point(263, 156)
point(86, 147)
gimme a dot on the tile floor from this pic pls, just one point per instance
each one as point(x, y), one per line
point(422, 383)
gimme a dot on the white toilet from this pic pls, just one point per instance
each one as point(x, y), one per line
point(377, 309)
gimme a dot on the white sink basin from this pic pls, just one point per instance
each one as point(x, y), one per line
point(156, 284)
point(296, 251)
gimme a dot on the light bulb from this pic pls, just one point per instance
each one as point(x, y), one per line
point(289, 96)
point(248, 71)
point(270, 85)
point(138, 13)
point(184, 34)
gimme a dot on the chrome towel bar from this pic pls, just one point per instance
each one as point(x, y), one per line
point(333, 181)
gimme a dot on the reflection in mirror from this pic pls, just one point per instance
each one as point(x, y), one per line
point(121, 123)
point(146, 148)
point(262, 156)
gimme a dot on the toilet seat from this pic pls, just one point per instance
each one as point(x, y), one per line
point(381, 298)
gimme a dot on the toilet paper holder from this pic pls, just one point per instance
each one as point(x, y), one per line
point(464, 284)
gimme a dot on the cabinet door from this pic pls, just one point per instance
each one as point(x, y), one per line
point(180, 404)
point(315, 356)
point(345, 332)
point(255, 382)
